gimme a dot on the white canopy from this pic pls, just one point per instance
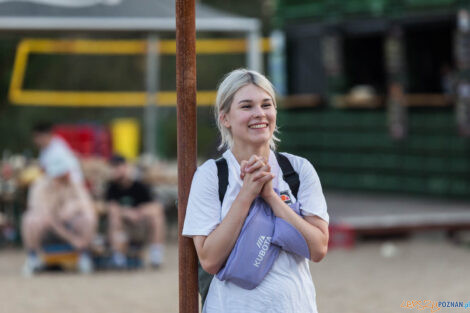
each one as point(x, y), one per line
point(113, 15)
point(69, 3)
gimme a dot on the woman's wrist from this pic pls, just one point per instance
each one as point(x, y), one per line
point(247, 196)
point(270, 197)
point(280, 209)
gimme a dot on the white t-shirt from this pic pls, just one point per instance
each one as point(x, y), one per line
point(58, 146)
point(288, 287)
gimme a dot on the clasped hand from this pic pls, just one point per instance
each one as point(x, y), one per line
point(257, 177)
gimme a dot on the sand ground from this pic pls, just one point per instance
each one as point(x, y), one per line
point(360, 280)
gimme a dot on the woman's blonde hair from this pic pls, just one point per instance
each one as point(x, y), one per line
point(231, 83)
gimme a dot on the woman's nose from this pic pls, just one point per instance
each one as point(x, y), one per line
point(258, 111)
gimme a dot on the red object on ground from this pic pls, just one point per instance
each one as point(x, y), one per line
point(341, 235)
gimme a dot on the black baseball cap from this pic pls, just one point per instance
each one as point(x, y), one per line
point(117, 160)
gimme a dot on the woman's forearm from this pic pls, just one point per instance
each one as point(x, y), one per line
point(214, 249)
point(315, 235)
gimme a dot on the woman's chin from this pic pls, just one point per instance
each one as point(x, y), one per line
point(259, 140)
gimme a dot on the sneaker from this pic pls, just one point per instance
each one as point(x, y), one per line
point(85, 264)
point(32, 265)
point(118, 260)
point(156, 254)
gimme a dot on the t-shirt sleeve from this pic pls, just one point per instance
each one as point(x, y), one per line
point(310, 193)
point(204, 209)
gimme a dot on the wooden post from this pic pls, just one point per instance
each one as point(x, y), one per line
point(332, 58)
point(187, 146)
point(397, 112)
point(462, 48)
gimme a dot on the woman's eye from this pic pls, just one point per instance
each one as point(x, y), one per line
point(246, 106)
point(267, 104)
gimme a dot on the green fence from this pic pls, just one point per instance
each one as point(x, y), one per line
point(351, 149)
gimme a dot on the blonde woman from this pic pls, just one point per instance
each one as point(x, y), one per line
point(246, 117)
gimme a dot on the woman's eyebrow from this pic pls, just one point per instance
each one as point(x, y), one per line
point(250, 101)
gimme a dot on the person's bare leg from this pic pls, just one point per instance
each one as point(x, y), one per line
point(116, 234)
point(33, 228)
point(85, 228)
point(156, 216)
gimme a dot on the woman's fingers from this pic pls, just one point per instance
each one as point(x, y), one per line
point(253, 160)
point(243, 165)
point(254, 164)
point(263, 169)
point(259, 176)
point(266, 178)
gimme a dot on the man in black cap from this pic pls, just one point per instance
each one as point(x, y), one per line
point(130, 203)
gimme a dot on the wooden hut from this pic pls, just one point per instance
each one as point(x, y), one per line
point(378, 93)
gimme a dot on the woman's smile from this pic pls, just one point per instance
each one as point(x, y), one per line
point(259, 126)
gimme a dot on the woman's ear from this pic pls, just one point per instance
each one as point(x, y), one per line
point(224, 120)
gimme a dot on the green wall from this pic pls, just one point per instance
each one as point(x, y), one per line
point(351, 149)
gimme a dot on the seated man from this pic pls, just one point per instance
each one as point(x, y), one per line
point(129, 202)
point(58, 204)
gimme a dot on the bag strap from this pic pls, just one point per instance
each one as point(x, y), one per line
point(222, 172)
point(288, 173)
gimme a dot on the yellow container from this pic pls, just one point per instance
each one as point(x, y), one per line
point(126, 137)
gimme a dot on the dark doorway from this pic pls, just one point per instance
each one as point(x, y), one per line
point(429, 55)
point(364, 61)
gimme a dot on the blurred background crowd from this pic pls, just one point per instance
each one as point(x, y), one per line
point(375, 93)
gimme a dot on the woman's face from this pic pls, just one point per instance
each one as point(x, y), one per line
point(252, 116)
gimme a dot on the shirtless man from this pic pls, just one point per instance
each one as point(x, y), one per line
point(57, 203)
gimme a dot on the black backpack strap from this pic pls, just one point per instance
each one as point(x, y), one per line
point(290, 176)
point(222, 172)
point(204, 278)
